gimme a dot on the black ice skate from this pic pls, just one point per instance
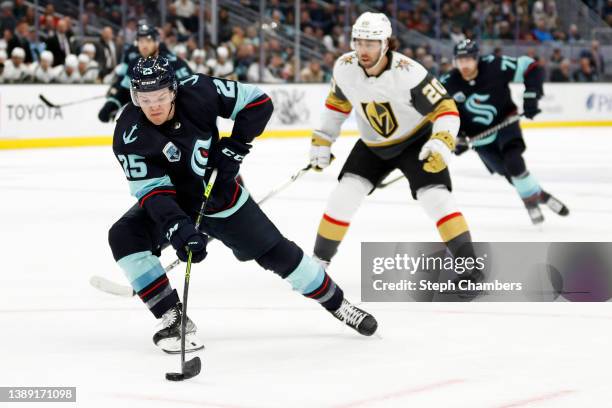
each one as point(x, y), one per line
point(356, 318)
point(169, 337)
point(554, 204)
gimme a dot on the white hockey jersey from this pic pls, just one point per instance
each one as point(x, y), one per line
point(41, 75)
point(400, 105)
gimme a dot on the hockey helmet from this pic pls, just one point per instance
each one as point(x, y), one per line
point(146, 30)
point(152, 74)
point(371, 26)
point(466, 48)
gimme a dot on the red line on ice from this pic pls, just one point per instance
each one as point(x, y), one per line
point(538, 398)
point(399, 394)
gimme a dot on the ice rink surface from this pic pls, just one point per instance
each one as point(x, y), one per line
point(269, 347)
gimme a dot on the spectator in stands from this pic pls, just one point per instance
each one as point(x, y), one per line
point(87, 74)
point(445, 65)
point(274, 65)
point(312, 72)
point(430, 65)
point(42, 72)
point(225, 28)
point(59, 44)
point(68, 73)
point(596, 57)
point(108, 52)
point(20, 9)
point(7, 19)
point(561, 73)
point(180, 50)
point(198, 62)
point(20, 39)
point(245, 55)
point(221, 66)
point(15, 70)
point(585, 71)
point(573, 34)
point(542, 32)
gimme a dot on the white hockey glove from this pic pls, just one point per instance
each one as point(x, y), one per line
point(320, 151)
point(437, 152)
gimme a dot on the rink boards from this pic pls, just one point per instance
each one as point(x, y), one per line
point(26, 122)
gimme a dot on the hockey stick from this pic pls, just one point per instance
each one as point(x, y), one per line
point(108, 286)
point(61, 105)
point(191, 368)
point(470, 141)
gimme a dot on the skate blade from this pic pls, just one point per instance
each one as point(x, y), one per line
point(173, 345)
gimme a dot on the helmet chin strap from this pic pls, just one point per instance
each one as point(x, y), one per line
point(384, 45)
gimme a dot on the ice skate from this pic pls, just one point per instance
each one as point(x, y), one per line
point(168, 338)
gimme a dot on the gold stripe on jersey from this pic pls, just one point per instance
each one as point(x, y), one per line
point(338, 103)
point(445, 106)
point(446, 138)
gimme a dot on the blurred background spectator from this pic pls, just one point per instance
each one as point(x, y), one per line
point(571, 39)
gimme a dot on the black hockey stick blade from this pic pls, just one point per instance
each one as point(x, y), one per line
point(190, 370)
point(46, 101)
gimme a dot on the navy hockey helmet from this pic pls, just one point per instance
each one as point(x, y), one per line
point(147, 30)
point(466, 48)
point(152, 74)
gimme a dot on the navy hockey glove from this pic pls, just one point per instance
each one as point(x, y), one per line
point(228, 156)
point(184, 237)
point(108, 112)
point(530, 104)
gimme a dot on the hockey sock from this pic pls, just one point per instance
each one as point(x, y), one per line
point(527, 187)
point(149, 280)
point(305, 275)
point(439, 204)
point(341, 206)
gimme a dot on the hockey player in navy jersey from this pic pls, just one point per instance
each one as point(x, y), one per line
point(167, 141)
point(479, 86)
point(147, 44)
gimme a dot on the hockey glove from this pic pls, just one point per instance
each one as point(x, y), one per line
point(437, 152)
point(228, 156)
point(108, 111)
point(320, 152)
point(462, 145)
point(530, 104)
point(184, 238)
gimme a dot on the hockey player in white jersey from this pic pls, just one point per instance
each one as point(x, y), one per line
point(42, 72)
point(15, 69)
point(406, 121)
point(87, 73)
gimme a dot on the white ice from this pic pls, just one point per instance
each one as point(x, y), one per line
point(266, 346)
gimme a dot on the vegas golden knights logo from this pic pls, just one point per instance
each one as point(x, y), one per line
point(381, 117)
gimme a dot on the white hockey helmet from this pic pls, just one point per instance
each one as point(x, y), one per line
point(72, 61)
point(47, 56)
point(372, 26)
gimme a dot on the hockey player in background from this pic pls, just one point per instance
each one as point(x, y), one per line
point(480, 88)
point(167, 141)
point(147, 44)
point(406, 121)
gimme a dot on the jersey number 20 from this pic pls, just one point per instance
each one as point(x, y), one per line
point(434, 91)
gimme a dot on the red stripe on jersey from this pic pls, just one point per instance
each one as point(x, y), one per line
point(152, 193)
point(332, 107)
point(250, 105)
point(447, 114)
point(321, 289)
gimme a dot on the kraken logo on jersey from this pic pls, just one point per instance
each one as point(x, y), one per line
point(199, 156)
point(381, 117)
point(129, 138)
point(482, 113)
